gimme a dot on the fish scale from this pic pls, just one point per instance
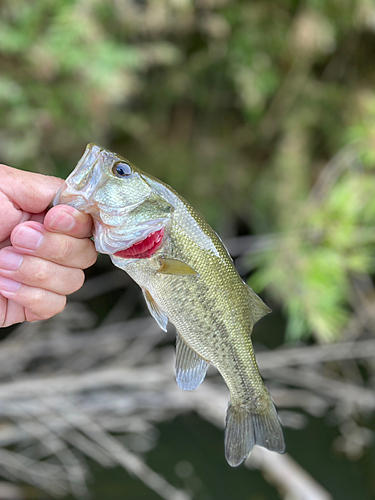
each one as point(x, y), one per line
point(190, 280)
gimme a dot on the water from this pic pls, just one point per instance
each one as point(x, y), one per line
point(190, 455)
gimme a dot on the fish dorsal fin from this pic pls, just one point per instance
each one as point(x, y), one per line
point(190, 367)
point(160, 317)
point(257, 306)
point(175, 266)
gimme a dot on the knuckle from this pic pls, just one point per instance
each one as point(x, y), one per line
point(38, 296)
point(42, 273)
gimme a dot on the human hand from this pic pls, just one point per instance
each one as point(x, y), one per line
point(42, 255)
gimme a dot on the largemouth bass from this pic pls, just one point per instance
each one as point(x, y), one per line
point(188, 278)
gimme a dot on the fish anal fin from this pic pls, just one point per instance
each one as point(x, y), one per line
point(257, 306)
point(175, 267)
point(244, 429)
point(160, 317)
point(191, 369)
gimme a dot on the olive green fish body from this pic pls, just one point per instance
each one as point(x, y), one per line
point(210, 310)
point(188, 278)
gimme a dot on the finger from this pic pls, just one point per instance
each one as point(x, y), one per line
point(41, 303)
point(11, 312)
point(68, 220)
point(31, 192)
point(11, 215)
point(40, 273)
point(32, 238)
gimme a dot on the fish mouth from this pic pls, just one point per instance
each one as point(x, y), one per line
point(145, 248)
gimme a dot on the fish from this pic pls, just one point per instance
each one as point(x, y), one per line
point(188, 279)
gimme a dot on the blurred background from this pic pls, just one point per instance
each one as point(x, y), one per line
point(262, 115)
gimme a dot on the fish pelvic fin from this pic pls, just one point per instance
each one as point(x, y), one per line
point(257, 306)
point(191, 369)
point(245, 429)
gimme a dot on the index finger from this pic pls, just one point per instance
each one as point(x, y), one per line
point(68, 220)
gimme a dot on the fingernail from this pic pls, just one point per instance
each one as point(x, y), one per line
point(10, 261)
point(63, 221)
point(27, 237)
point(8, 285)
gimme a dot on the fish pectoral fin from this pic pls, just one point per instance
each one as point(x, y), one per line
point(175, 267)
point(190, 367)
point(160, 317)
point(257, 306)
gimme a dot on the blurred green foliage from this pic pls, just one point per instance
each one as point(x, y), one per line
point(261, 113)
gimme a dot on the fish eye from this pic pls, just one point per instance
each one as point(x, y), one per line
point(121, 169)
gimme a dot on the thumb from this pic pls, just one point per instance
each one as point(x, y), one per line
point(30, 192)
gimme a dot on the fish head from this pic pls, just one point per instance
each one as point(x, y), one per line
point(131, 220)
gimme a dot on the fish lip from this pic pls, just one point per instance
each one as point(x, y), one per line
point(66, 196)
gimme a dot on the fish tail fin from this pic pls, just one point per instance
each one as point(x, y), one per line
point(244, 429)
